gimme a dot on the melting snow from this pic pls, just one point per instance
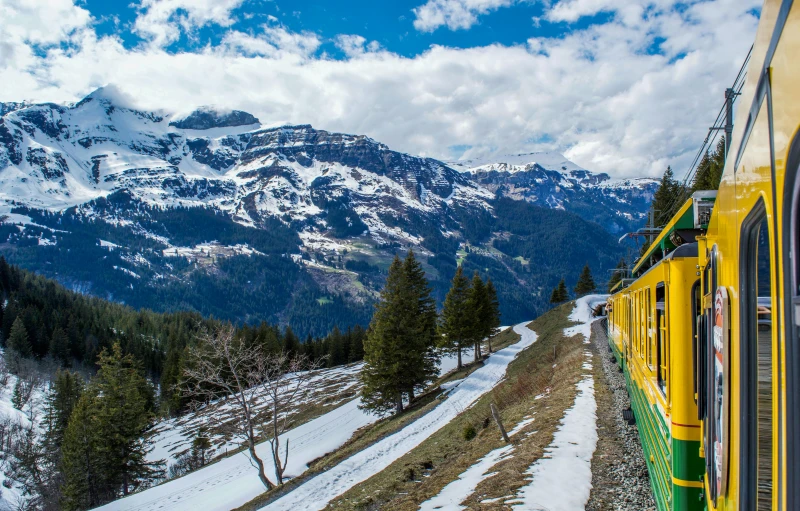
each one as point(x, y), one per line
point(451, 496)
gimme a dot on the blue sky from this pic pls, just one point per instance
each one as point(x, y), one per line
point(624, 87)
point(390, 23)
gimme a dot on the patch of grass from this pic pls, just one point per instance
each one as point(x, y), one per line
point(522, 260)
point(324, 300)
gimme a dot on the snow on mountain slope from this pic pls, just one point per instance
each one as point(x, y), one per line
point(516, 163)
point(54, 157)
point(317, 492)
point(14, 423)
point(233, 481)
point(550, 180)
point(172, 437)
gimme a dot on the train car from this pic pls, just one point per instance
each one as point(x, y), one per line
point(748, 357)
point(650, 327)
point(731, 322)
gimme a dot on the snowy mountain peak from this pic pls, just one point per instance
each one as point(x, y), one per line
point(511, 163)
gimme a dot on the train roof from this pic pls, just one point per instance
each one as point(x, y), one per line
point(684, 227)
point(683, 251)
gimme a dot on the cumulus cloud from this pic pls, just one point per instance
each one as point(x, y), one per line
point(161, 21)
point(456, 14)
point(596, 94)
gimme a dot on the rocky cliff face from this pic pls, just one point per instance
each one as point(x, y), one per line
point(207, 118)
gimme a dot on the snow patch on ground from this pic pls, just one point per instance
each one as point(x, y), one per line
point(316, 493)
point(519, 427)
point(451, 496)
point(562, 478)
point(582, 313)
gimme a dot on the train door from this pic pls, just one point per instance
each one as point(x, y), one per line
point(791, 258)
point(756, 359)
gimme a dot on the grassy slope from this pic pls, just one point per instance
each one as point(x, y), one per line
point(424, 471)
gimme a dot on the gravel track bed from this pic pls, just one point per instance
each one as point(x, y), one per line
point(620, 481)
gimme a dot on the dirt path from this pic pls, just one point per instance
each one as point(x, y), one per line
point(620, 481)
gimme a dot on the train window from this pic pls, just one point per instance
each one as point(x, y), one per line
point(696, 308)
point(662, 359)
point(756, 360)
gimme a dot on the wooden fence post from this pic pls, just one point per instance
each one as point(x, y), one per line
point(496, 416)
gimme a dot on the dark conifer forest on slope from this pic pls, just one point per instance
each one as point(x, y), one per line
point(525, 249)
point(43, 320)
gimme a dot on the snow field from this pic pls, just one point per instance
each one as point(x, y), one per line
point(316, 493)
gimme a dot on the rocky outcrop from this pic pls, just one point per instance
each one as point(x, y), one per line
point(206, 118)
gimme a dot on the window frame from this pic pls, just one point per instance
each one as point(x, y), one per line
point(748, 351)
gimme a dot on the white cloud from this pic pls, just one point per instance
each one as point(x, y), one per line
point(595, 94)
point(351, 45)
point(456, 14)
point(161, 21)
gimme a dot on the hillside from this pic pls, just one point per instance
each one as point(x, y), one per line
point(445, 450)
point(214, 213)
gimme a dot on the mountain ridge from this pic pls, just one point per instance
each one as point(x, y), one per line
point(302, 222)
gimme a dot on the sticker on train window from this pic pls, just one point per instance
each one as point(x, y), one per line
point(720, 418)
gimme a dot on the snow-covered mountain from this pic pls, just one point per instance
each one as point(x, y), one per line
point(54, 157)
point(210, 210)
point(549, 179)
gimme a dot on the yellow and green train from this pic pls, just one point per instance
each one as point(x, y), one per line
point(707, 330)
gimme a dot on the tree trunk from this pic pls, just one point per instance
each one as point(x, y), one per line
point(251, 446)
point(478, 354)
point(399, 403)
point(459, 357)
point(410, 395)
point(490, 344)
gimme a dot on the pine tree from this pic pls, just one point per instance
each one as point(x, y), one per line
point(399, 347)
point(111, 422)
point(492, 311)
point(422, 359)
point(65, 391)
point(59, 346)
point(201, 447)
point(585, 283)
point(477, 308)
point(709, 171)
point(668, 198)
point(85, 484)
point(383, 347)
point(291, 344)
point(618, 274)
point(559, 294)
point(18, 339)
point(455, 324)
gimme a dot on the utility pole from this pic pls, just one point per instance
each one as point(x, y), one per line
point(729, 95)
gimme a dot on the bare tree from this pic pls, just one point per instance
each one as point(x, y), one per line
point(223, 366)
